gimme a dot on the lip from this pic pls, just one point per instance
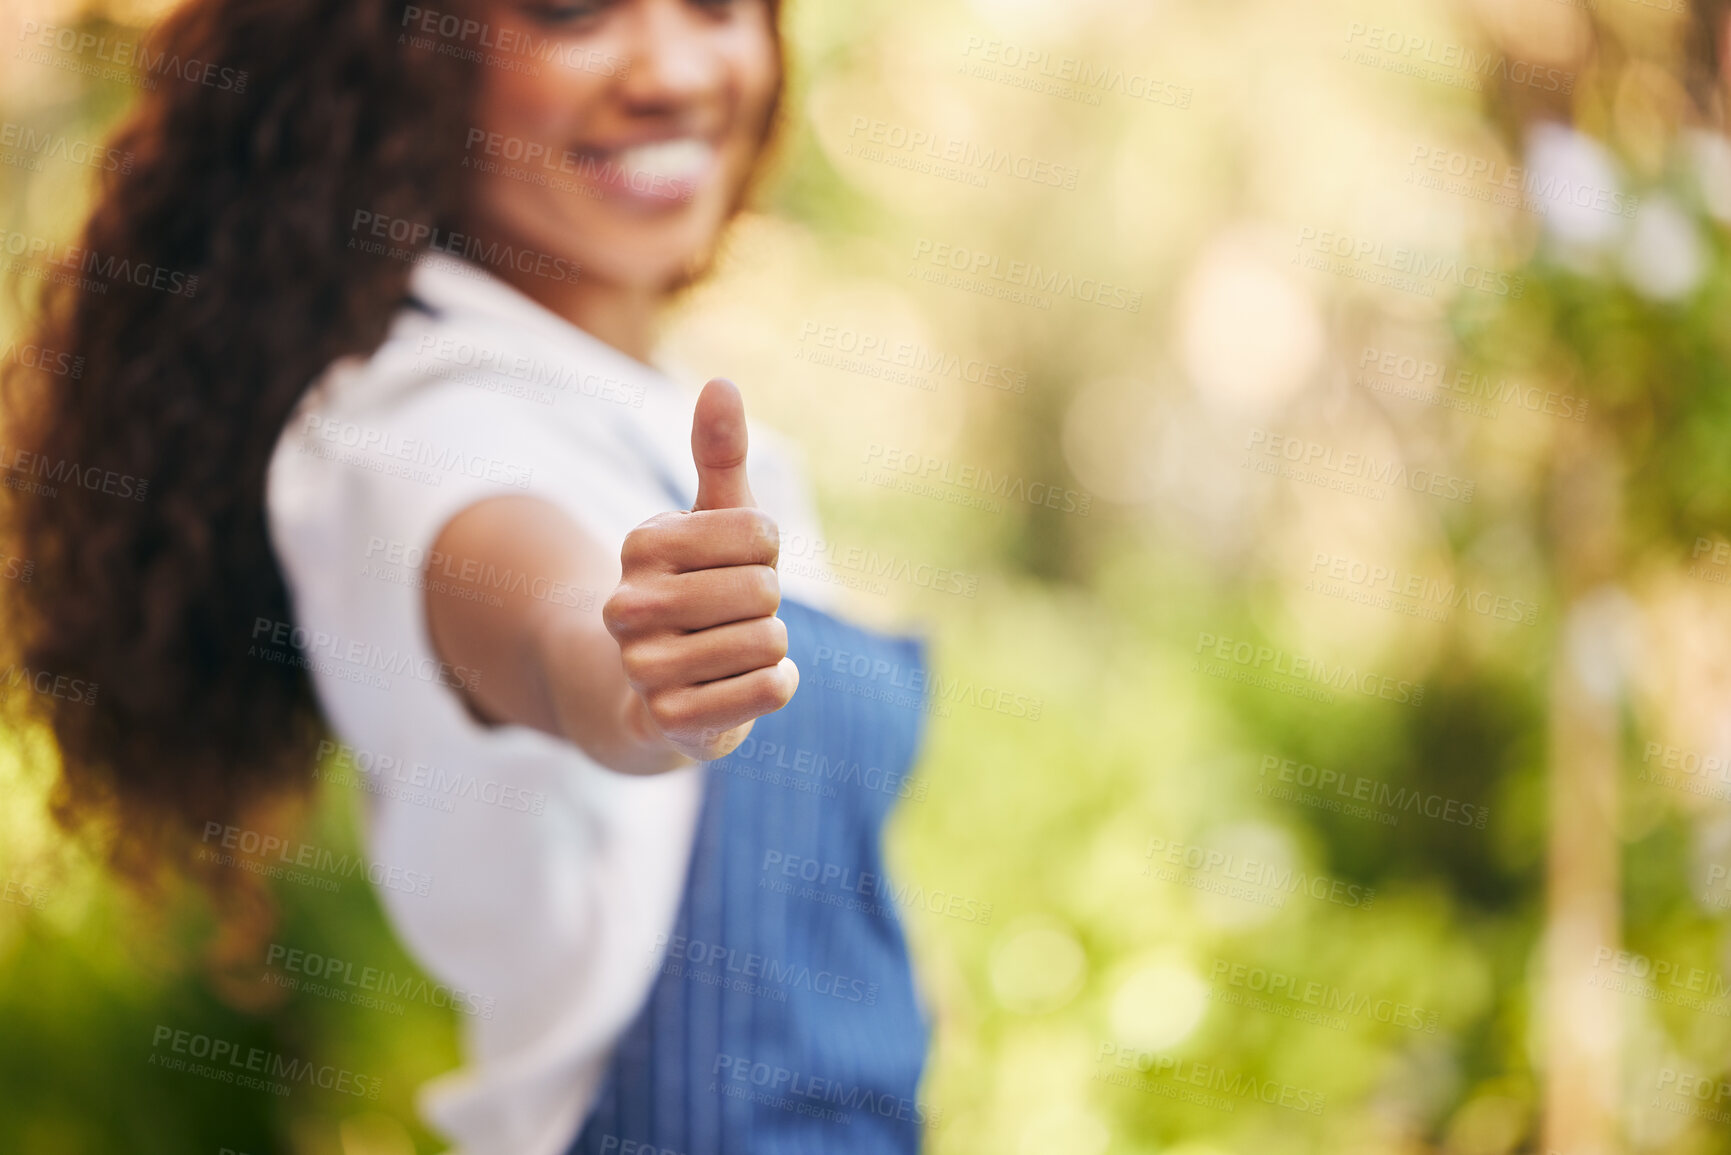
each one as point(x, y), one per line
point(652, 171)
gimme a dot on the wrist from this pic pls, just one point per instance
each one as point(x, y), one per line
point(589, 703)
point(645, 749)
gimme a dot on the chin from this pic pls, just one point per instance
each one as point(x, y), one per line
point(639, 268)
point(664, 258)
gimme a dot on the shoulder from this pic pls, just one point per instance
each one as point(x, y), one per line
point(477, 392)
point(453, 409)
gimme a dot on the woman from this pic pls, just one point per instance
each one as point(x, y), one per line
point(404, 465)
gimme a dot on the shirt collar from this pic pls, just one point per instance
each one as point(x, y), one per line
point(450, 286)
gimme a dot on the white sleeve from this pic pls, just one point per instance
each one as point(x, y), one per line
point(550, 881)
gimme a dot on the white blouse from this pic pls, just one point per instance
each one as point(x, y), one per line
point(533, 881)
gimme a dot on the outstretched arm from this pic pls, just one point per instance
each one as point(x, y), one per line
point(675, 665)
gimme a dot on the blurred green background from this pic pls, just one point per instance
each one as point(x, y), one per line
point(1362, 787)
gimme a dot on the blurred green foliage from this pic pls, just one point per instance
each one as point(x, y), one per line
point(1406, 1022)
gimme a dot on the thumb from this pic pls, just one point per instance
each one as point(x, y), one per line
point(718, 448)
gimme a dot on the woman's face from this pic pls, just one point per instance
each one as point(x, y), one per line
point(617, 133)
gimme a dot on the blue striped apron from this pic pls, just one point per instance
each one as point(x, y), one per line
point(783, 1019)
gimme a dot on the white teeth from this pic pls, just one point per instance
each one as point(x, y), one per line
point(681, 159)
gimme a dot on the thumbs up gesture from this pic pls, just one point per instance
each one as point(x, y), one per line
point(694, 612)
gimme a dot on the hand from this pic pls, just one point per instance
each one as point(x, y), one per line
point(694, 613)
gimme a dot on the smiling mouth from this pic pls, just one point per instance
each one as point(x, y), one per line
point(662, 172)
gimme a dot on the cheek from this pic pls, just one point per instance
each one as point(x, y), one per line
point(545, 109)
point(754, 66)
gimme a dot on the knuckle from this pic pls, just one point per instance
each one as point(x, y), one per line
point(787, 682)
point(626, 612)
point(763, 527)
point(639, 544)
point(640, 665)
point(764, 588)
point(671, 711)
point(616, 613)
point(715, 741)
point(774, 639)
point(636, 609)
point(648, 543)
point(774, 694)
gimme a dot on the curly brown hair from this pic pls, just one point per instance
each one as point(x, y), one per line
point(1704, 42)
point(214, 281)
